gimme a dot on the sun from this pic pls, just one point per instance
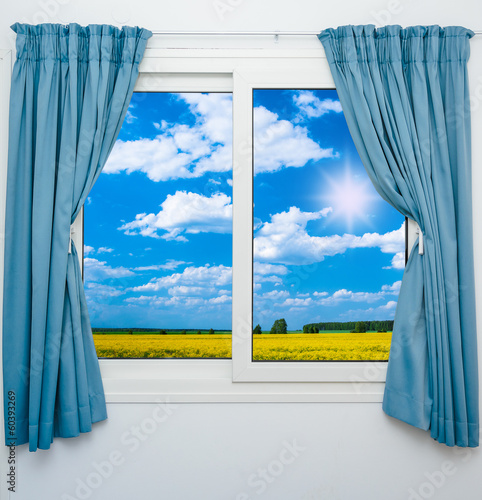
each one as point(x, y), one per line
point(350, 197)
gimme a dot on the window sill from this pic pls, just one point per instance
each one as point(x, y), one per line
point(210, 381)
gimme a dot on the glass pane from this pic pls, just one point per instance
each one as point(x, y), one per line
point(158, 231)
point(329, 252)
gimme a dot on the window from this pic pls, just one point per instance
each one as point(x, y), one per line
point(328, 250)
point(254, 77)
point(158, 229)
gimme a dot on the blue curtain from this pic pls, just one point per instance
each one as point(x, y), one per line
point(71, 88)
point(405, 96)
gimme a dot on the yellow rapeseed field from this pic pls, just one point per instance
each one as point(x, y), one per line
point(322, 346)
point(294, 346)
point(163, 346)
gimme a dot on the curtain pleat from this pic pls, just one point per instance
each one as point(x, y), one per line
point(405, 96)
point(71, 87)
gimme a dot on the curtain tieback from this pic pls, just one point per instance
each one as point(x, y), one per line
point(420, 240)
point(72, 232)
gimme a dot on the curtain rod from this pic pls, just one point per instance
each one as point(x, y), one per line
point(243, 33)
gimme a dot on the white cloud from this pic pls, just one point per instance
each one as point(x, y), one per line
point(398, 261)
point(187, 213)
point(297, 302)
point(182, 151)
point(88, 250)
point(158, 158)
point(188, 151)
point(274, 295)
point(206, 276)
point(214, 112)
point(264, 268)
point(199, 287)
point(96, 270)
point(222, 299)
point(258, 278)
point(142, 299)
point(170, 265)
point(99, 291)
point(178, 301)
point(281, 298)
point(105, 250)
point(395, 287)
point(279, 143)
point(219, 160)
point(154, 267)
point(345, 295)
point(386, 311)
point(257, 223)
point(268, 273)
point(186, 290)
point(130, 117)
point(390, 242)
point(313, 107)
point(285, 240)
point(181, 301)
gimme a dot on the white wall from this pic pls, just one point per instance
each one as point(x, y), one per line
point(210, 451)
point(216, 451)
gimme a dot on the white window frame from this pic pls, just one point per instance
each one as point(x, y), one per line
point(281, 76)
point(239, 379)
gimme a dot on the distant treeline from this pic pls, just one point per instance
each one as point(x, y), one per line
point(147, 330)
point(96, 330)
point(331, 326)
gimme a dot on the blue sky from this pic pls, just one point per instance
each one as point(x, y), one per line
point(158, 221)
